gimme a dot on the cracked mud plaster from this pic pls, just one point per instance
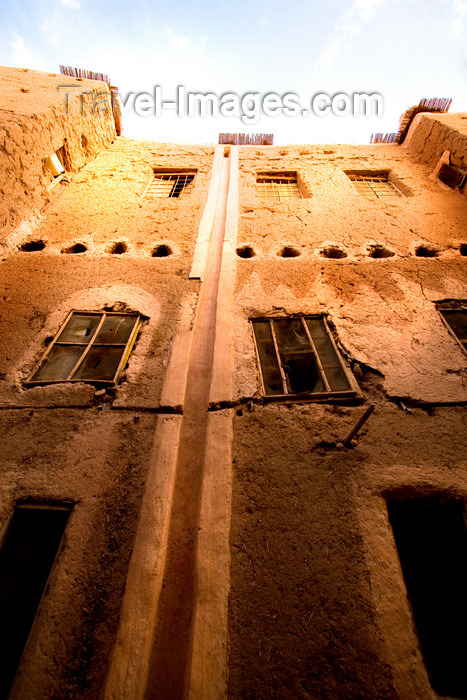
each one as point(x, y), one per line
point(34, 124)
point(383, 309)
point(97, 461)
point(303, 618)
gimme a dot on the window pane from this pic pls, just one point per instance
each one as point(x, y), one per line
point(80, 328)
point(59, 363)
point(302, 373)
point(458, 322)
point(100, 364)
point(116, 329)
point(337, 379)
point(291, 336)
point(267, 355)
point(316, 327)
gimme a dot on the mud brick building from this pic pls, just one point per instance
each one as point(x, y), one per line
point(190, 336)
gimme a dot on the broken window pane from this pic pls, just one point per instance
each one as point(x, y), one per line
point(272, 377)
point(80, 328)
point(116, 329)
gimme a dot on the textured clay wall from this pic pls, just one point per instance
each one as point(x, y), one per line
point(318, 605)
point(70, 442)
point(33, 125)
point(431, 134)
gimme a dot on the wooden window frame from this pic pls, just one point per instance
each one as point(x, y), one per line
point(352, 393)
point(126, 350)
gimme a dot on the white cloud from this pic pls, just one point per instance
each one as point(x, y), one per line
point(348, 25)
point(460, 11)
point(23, 57)
point(73, 4)
point(179, 43)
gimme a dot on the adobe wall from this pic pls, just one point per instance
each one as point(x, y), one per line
point(72, 442)
point(33, 125)
point(318, 605)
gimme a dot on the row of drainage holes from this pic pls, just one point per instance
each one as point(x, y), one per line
point(376, 251)
point(160, 251)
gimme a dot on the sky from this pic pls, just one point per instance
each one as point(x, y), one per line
point(404, 50)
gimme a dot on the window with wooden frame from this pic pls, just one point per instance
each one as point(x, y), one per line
point(455, 320)
point(277, 187)
point(373, 185)
point(169, 184)
point(91, 346)
point(298, 356)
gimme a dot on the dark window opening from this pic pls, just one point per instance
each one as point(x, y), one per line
point(297, 356)
point(431, 540)
point(452, 176)
point(26, 559)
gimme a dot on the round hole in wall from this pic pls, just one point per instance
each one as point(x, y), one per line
point(379, 251)
point(32, 246)
point(463, 249)
point(426, 251)
point(161, 251)
point(332, 251)
point(288, 252)
point(246, 251)
point(75, 248)
point(118, 248)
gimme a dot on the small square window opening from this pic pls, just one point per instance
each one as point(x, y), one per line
point(298, 356)
point(175, 184)
point(374, 185)
point(89, 347)
point(277, 187)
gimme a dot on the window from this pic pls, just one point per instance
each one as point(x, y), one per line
point(374, 185)
point(169, 184)
point(277, 187)
point(456, 321)
point(452, 176)
point(91, 346)
point(431, 540)
point(26, 559)
point(297, 356)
